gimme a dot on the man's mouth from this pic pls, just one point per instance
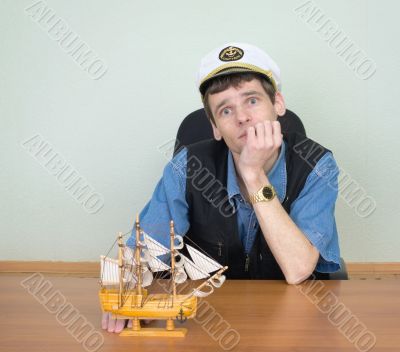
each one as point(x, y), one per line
point(244, 134)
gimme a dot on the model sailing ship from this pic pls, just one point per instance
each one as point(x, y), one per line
point(124, 280)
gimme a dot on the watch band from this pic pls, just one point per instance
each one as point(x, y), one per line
point(264, 194)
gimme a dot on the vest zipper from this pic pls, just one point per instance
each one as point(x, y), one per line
point(285, 200)
point(220, 249)
point(246, 263)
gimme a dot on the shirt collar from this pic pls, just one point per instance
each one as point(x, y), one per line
point(277, 176)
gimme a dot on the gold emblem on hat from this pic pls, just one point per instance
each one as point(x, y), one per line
point(231, 53)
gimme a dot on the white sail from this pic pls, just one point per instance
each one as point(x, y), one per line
point(187, 269)
point(109, 272)
point(180, 275)
point(207, 264)
point(218, 281)
point(130, 277)
point(179, 260)
point(154, 247)
point(128, 255)
point(145, 256)
point(199, 293)
point(179, 244)
point(152, 261)
point(156, 264)
point(147, 276)
point(194, 271)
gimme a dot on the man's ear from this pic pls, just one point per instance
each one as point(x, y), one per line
point(217, 134)
point(280, 107)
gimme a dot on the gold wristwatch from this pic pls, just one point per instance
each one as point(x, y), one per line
point(264, 194)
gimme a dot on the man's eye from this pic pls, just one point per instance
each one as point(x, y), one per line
point(225, 112)
point(253, 101)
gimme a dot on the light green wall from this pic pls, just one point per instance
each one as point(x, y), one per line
point(109, 130)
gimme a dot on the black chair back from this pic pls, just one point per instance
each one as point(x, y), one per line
point(196, 127)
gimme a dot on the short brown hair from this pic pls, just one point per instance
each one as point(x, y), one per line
point(221, 83)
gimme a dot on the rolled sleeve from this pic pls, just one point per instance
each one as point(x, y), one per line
point(314, 212)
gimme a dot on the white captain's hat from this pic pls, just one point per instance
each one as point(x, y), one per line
point(234, 58)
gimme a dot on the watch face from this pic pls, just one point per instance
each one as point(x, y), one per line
point(267, 192)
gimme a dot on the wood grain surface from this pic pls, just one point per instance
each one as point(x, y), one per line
point(241, 316)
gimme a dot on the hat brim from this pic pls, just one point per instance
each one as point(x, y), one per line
point(231, 70)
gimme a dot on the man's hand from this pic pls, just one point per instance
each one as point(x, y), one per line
point(261, 150)
point(113, 325)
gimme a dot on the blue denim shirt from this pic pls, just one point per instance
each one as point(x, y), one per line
point(312, 211)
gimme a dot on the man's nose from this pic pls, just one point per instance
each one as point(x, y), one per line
point(242, 116)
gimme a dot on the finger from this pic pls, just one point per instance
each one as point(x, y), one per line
point(119, 325)
point(260, 132)
point(267, 133)
point(104, 320)
point(251, 136)
point(111, 324)
point(277, 134)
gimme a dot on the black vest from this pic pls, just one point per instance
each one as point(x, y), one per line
point(213, 221)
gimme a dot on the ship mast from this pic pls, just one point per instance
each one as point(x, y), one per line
point(172, 240)
point(120, 266)
point(137, 258)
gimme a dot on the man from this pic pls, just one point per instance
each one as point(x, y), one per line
point(255, 200)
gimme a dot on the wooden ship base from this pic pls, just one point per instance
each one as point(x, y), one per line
point(152, 307)
point(168, 331)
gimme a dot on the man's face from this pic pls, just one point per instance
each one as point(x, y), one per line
point(236, 109)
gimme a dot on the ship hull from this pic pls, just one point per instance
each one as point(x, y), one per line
point(152, 306)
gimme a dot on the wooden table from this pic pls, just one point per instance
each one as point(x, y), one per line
point(252, 316)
